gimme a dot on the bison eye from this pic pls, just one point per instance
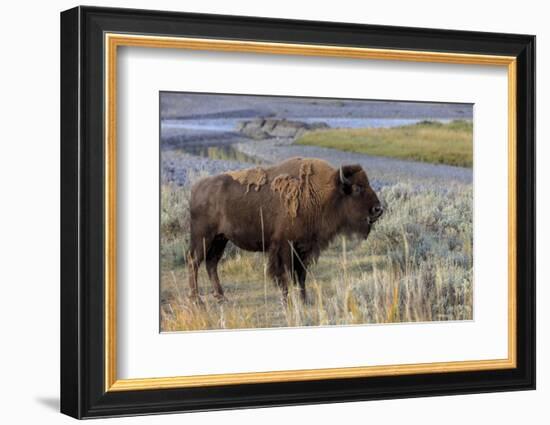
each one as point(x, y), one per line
point(356, 190)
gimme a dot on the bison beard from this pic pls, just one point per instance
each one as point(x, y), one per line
point(293, 212)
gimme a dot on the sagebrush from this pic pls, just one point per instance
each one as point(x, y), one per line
point(415, 266)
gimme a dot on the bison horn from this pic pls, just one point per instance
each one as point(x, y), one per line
point(343, 180)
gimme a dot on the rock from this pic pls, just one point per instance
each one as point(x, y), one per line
point(268, 128)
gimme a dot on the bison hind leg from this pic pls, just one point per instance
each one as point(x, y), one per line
point(213, 257)
point(199, 246)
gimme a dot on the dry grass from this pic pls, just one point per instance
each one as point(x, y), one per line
point(415, 266)
point(427, 141)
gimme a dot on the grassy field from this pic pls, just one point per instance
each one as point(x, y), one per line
point(427, 141)
point(415, 266)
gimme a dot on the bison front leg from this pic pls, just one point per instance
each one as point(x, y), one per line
point(300, 273)
point(280, 266)
point(299, 268)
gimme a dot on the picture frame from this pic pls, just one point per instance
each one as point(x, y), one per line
point(90, 40)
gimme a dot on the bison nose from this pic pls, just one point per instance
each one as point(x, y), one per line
point(376, 211)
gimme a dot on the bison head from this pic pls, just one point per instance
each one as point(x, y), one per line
point(359, 205)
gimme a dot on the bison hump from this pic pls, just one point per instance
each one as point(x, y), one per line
point(302, 184)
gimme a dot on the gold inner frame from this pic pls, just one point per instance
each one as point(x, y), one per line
point(113, 41)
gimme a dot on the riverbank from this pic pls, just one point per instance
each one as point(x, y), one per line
point(186, 148)
point(380, 169)
point(449, 143)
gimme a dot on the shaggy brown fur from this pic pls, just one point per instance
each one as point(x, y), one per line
point(250, 177)
point(298, 206)
point(289, 190)
point(295, 192)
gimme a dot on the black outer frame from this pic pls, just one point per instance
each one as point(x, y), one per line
point(82, 219)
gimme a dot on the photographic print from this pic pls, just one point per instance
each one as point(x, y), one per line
point(292, 211)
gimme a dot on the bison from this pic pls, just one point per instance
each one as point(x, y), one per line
point(291, 211)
